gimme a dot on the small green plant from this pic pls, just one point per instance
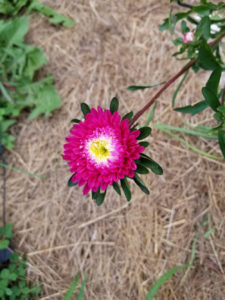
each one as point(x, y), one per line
point(19, 62)
point(13, 282)
point(73, 287)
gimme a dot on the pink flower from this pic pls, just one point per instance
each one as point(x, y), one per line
point(188, 37)
point(101, 150)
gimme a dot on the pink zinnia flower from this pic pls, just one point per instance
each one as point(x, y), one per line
point(188, 37)
point(101, 150)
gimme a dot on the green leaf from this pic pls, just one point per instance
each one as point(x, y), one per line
point(47, 100)
point(141, 169)
point(70, 182)
point(178, 88)
point(72, 288)
point(126, 188)
point(141, 184)
point(114, 105)
point(35, 59)
point(211, 99)
point(144, 144)
point(221, 138)
point(206, 58)
point(75, 121)
point(165, 25)
point(150, 115)
point(13, 31)
point(151, 164)
point(85, 109)
point(203, 28)
point(8, 230)
point(184, 27)
point(162, 279)
point(100, 198)
point(81, 293)
point(144, 132)
point(4, 244)
point(128, 116)
point(142, 87)
point(214, 80)
point(117, 188)
point(193, 109)
point(53, 16)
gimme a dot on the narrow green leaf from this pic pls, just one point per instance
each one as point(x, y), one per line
point(70, 182)
point(141, 169)
point(100, 198)
point(142, 87)
point(192, 147)
point(178, 88)
point(211, 99)
point(144, 144)
point(197, 131)
point(72, 288)
point(117, 188)
point(75, 121)
point(141, 184)
point(95, 194)
point(209, 232)
point(162, 279)
point(114, 105)
point(128, 116)
point(126, 188)
point(81, 293)
point(193, 109)
point(221, 138)
point(53, 16)
point(150, 115)
point(144, 132)
point(214, 80)
point(151, 164)
point(85, 108)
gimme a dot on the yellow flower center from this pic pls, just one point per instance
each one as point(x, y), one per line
point(100, 149)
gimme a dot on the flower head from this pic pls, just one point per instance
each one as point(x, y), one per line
point(188, 37)
point(101, 150)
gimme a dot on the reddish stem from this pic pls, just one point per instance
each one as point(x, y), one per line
point(169, 82)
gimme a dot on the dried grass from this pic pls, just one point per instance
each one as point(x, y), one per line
point(123, 248)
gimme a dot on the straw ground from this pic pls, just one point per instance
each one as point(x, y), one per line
point(122, 247)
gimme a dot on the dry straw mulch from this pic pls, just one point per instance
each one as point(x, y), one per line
point(122, 247)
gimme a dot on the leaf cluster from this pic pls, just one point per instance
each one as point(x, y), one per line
point(13, 282)
point(14, 7)
point(19, 90)
point(207, 25)
point(144, 163)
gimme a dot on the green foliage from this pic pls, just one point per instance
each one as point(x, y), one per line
point(72, 289)
point(208, 24)
point(114, 105)
point(18, 90)
point(70, 182)
point(85, 109)
point(142, 87)
point(144, 132)
point(162, 279)
point(19, 63)
point(13, 8)
point(13, 282)
point(126, 188)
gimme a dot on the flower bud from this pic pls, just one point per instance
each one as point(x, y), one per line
point(188, 37)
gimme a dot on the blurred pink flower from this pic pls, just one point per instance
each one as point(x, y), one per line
point(101, 150)
point(188, 37)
